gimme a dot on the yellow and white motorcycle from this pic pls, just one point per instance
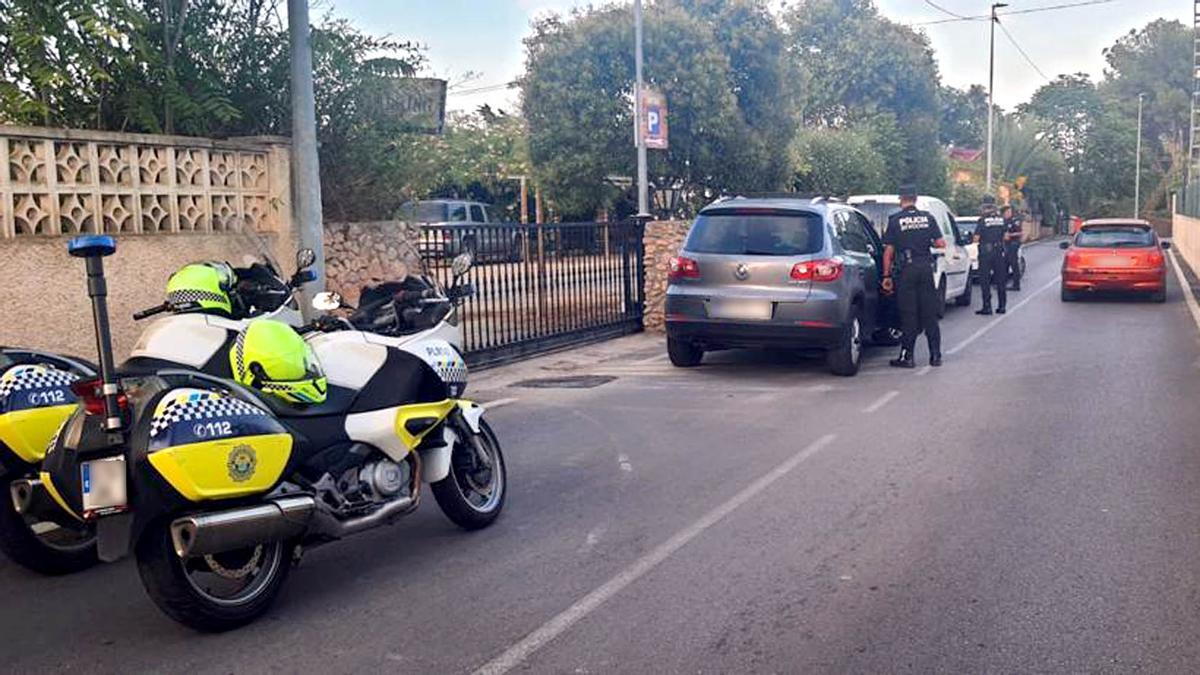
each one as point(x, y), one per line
point(37, 397)
point(215, 487)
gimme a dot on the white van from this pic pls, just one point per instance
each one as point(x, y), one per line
point(951, 274)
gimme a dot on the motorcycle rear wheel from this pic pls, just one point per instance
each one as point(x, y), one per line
point(474, 493)
point(172, 583)
point(55, 552)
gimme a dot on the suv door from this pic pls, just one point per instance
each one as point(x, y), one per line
point(851, 228)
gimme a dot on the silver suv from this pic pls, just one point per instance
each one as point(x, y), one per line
point(778, 272)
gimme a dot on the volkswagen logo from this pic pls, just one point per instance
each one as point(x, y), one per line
point(741, 273)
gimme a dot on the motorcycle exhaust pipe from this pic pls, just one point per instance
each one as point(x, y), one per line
point(212, 533)
point(31, 498)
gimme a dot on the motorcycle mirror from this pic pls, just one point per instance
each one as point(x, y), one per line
point(462, 263)
point(305, 258)
point(327, 301)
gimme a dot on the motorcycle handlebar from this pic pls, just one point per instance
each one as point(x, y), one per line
point(147, 313)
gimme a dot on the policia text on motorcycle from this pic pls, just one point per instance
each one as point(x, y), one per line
point(991, 235)
point(910, 234)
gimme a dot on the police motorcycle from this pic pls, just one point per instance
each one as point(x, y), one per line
point(216, 485)
point(206, 305)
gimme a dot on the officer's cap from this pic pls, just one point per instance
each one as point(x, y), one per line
point(908, 191)
point(989, 200)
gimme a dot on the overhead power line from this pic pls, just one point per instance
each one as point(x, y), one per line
point(483, 89)
point(943, 10)
point(984, 17)
point(1014, 42)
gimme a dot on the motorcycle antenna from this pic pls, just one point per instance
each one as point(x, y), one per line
point(93, 248)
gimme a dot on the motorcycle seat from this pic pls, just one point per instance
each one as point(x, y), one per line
point(337, 402)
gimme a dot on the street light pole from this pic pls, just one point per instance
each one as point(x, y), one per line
point(306, 190)
point(642, 172)
point(991, 91)
point(1137, 176)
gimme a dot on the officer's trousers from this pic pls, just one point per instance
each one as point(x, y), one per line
point(1012, 254)
point(918, 300)
point(993, 269)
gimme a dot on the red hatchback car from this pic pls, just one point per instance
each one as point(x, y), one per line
point(1115, 255)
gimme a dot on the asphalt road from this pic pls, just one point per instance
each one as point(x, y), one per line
point(1032, 506)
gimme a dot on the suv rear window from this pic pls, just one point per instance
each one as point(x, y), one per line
point(760, 233)
point(423, 212)
point(1114, 236)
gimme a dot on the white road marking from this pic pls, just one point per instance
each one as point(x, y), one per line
point(623, 460)
point(994, 322)
point(1190, 297)
point(881, 401)
point(499, 403)
point(544, 634)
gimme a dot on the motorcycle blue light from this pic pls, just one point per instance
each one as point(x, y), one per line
point(89, 245)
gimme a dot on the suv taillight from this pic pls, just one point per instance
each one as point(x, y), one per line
point(91, 396)
point(818, 270)
point(683, 268)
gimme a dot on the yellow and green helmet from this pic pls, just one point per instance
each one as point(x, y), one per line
point(202, 287)
point(272, 357)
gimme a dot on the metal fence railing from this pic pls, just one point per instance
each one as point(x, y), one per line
point(542, 287)
point(1188, 200)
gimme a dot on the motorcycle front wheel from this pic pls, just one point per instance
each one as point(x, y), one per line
point(43, 547)
point(211, 593)
point(473, 495)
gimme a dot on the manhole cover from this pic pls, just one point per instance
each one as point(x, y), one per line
point(572, 382)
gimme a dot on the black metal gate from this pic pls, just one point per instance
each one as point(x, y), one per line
point(542, 287)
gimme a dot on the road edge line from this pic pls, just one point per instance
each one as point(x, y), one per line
point(517, 654)
point(1188, 295)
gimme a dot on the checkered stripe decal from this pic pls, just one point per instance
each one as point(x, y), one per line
point(453, 371)
point(198, 407)
point(187, 297)
point(20, 378)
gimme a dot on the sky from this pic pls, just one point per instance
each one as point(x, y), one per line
point(477, 44)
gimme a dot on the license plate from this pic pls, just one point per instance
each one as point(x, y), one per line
point(1113, 261)
point(103, 483)
point(757, 310)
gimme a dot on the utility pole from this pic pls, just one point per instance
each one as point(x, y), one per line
point(991, 91)
point(642, 172)
point(306, 174)
point(1137, 176)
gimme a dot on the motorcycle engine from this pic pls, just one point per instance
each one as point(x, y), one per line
point(373, 482)
point(385, 478)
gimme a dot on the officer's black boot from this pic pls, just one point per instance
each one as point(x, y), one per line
point(935, 359)
point(905, 360)
point(1001, 309)
point(986, 311)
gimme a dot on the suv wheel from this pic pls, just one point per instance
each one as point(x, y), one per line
point(845, 358)
point(684, 354)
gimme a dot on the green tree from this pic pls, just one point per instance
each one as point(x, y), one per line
point(59, 61)
point(838, 162)
point(861, 66)
point(964, 116)
point(577, 99)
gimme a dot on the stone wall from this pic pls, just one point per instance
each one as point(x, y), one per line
point(169, 200)
point(662, 240)
point(358, 254)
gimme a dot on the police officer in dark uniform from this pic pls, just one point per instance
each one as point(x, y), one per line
point(993, 267)
point(1012, 245)
point(909, 235)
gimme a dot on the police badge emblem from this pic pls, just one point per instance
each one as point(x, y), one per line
point(241, 463)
